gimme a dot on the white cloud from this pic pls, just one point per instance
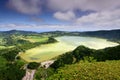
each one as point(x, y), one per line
point(103, 19)
point(94, 5)
point(35, 27)
point(67, 16)
point(26, 6)
point(40, 28)
point(106, 15)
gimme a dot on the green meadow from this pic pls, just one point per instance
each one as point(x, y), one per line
point(2, 47)
point(64, 44)
point(36, 38)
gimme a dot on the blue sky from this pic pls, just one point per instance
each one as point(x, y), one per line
point(9, 16)
point(65, 15)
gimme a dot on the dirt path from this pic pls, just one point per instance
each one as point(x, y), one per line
point(46, 64)
point(29, 75)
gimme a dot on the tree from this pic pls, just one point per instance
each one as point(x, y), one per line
point(33, 65)
point(80, 52)
point(43, 73)
point(51, 40)
point(14, 72)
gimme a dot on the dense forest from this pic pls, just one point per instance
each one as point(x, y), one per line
point(11, 68)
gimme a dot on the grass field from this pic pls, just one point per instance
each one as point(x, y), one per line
point(109, 70)
point(3, 47)
point(36, 38)
point(65, 44)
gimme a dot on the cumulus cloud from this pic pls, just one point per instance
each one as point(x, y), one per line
point(94, 5)
point(105, 18)
point(106, 12)
point(67, 16)
point(31, 7)
point(105, 15)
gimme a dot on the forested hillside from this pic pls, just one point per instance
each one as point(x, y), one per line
point(109, 70)
point(84, 53)
point(108, 34)
point(12, 67)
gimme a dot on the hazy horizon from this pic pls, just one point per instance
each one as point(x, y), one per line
point(54, 30)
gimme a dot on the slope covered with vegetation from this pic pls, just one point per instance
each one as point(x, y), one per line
point(84, 53)
point(12, 67)
point(109, 70)
point(108, 34)
point(84, 64)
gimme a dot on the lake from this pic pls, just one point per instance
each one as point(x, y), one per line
point(65, 44)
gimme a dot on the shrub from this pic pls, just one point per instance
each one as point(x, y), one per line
point(33, 65)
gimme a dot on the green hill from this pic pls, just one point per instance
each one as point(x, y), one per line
point(108, 34)
point(84, 53)
point(109, 70)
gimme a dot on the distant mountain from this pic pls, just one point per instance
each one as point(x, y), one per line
point(17, 32)
point(108, 34)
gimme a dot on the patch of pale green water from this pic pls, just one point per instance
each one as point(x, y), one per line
point(65, 44)
point(46, 52)
point(91, 42)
